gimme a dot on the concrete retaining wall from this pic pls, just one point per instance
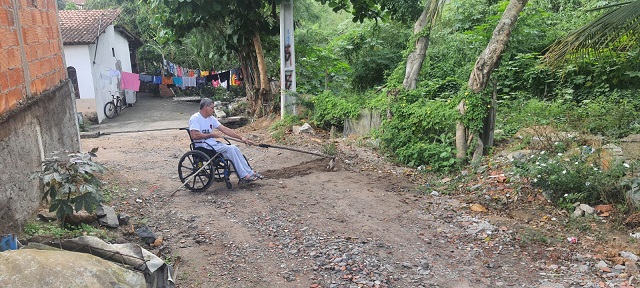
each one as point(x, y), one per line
point(366, 121)
point(29, 133)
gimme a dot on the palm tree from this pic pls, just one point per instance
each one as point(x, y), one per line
point(619, 27)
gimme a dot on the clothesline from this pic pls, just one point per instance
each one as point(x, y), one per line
point(184, 78)
point(219, 78)
point(233, 77)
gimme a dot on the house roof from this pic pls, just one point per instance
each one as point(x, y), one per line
point(80, 27)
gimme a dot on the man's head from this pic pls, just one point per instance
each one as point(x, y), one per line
point(206, 107)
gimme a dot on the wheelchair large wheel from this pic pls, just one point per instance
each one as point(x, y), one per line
point(222, 171)
point(189, 164)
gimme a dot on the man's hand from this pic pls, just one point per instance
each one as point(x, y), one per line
point(247, 141)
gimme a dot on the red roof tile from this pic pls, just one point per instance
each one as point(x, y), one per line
point(84, 26)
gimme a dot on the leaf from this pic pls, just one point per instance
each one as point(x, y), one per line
point(64, 209)
point(53, 192)
point(54, 205)
point(85, 201)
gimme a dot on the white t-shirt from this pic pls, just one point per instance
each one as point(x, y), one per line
point(204, 125)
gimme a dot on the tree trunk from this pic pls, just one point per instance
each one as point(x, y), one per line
point(422, 29)
point(248, 72)
point(416, 58)
point(488, 60)
point(461, 134)
point(490, 57)
point(265, 89)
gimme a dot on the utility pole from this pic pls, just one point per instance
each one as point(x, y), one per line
point(287, 60)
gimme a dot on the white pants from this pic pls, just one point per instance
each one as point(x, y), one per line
point(232, 152)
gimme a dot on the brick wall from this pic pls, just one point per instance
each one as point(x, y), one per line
point(31, 59)
point(37, 108)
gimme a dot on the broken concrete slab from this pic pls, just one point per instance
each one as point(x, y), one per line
point(47, 268)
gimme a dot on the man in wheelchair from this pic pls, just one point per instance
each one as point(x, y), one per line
point(201, 128)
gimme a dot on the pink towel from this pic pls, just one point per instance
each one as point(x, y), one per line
point(130, 81)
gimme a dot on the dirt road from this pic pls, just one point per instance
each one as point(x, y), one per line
point(364, 225)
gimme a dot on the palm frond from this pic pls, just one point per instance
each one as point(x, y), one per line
point(619, 27)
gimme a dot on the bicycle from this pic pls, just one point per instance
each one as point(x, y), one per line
point(114, 107)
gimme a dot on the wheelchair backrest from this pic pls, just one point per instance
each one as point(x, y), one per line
point(192, 146)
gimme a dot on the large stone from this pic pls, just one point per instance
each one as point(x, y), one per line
point(45, 268)
point(107, 216)
point(631, 146)
point(219, 113)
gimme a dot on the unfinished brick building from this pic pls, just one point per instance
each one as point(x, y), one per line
point(37, 112)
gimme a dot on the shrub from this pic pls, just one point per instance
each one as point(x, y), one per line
point(70, 183)
point(421, 133)
point(583, 175)
point(607, 117)
point(279, 128)
point(331, 110)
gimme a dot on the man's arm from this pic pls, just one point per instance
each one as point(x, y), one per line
point(197, 135)
point(232, 133)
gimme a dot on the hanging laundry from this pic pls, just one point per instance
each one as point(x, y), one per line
point(146, 78)
point(215, 83)
point(130, 81)
point(200, 81)
point(178, 82)
point(189, 81)
point(240, 75)
point(204, 73)
point(167, 80)
point(105, 76)
point(157, 79)
point(114, 73)
point(224, 76)
point(211, 77)
point(179, 72)
point(234, 80)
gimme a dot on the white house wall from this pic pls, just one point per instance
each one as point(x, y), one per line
point(123, 54)
point(78, 57)
point(101, 61)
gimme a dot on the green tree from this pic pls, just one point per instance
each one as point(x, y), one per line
point(239, 24)
point(486, 63)
point(618, 27)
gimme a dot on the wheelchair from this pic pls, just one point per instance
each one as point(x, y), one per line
point(195, 167)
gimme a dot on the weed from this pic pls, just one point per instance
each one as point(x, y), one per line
point(581, 224)
point(39, 228)
point(278, 136)
point(330, 149)
point(532, 236)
